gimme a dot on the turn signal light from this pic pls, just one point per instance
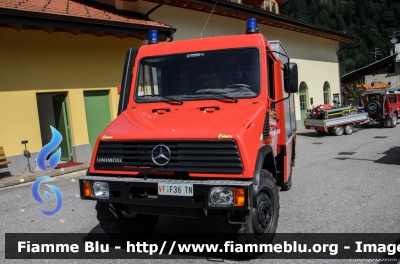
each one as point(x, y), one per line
point(87, 192)
point(238, 199)
point(266, 141)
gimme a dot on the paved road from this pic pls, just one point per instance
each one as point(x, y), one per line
point(354, 192)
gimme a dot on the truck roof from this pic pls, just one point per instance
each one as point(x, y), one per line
point(212, 43)
point(395, 90)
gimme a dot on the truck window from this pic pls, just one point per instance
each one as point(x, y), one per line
point(373, 97)
point(195, 76)
point(149, 80)
point(392, 98)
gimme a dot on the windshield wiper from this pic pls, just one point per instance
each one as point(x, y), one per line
point(220, 94)
point(166, 97)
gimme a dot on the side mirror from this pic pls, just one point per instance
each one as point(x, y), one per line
point(291, 78)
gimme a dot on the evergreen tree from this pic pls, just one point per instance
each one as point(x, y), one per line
point(372, 21)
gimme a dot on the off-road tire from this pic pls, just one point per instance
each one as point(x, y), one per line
point(348, 129)
point(338, 131)
point(393, 122)
point(262, 221)
point(116, 225)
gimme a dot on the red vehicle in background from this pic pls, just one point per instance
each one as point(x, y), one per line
point(204, 125)
point(381, 103)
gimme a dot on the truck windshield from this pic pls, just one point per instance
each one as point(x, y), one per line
point(221, 75)
point(373, 97)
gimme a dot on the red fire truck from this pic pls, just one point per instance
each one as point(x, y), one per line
point(203, 125)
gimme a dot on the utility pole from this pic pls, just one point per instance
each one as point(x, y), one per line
point(394, 39)
point(377, 52)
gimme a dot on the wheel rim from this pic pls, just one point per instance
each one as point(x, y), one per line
point(339, 130)
point(265, 211)
point(394, 120)
point(349, 129)
point(264, 214)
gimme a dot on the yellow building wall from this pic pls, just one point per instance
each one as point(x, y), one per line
point(33, 61)
point(19, 121)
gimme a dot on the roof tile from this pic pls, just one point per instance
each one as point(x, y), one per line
point(76, 8)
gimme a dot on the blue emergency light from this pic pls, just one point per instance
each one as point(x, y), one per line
point(389, 83)
point(251, 26)
point(153, 37)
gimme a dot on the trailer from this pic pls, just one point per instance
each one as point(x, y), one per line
point(338, 125)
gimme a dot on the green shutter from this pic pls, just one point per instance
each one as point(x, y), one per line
point(303, 101)
point(97, 113)
point(62, 125)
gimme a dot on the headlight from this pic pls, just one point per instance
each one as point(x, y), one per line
point(101, 189)
point(221, 196)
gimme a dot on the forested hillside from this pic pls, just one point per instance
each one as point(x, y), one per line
point(373, 21)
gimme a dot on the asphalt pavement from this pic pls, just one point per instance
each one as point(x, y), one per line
point(346, 184)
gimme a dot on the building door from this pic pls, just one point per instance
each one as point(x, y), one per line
point(327, 91)
point(98, 116)
point(62, 125)
point(303, 101)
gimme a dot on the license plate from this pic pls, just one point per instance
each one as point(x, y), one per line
point(175, 189)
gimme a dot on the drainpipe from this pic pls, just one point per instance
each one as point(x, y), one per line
point(155, 8)
point(171, 37)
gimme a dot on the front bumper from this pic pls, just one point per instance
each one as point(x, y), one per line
point(141, 195)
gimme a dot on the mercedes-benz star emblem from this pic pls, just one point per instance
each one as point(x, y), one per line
point(161, 155)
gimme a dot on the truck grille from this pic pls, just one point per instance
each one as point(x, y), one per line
point(209, 156)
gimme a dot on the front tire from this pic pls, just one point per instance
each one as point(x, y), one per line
point(117, 223)
point(262, 221)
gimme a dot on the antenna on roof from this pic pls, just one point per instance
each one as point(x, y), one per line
point(201, 35)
